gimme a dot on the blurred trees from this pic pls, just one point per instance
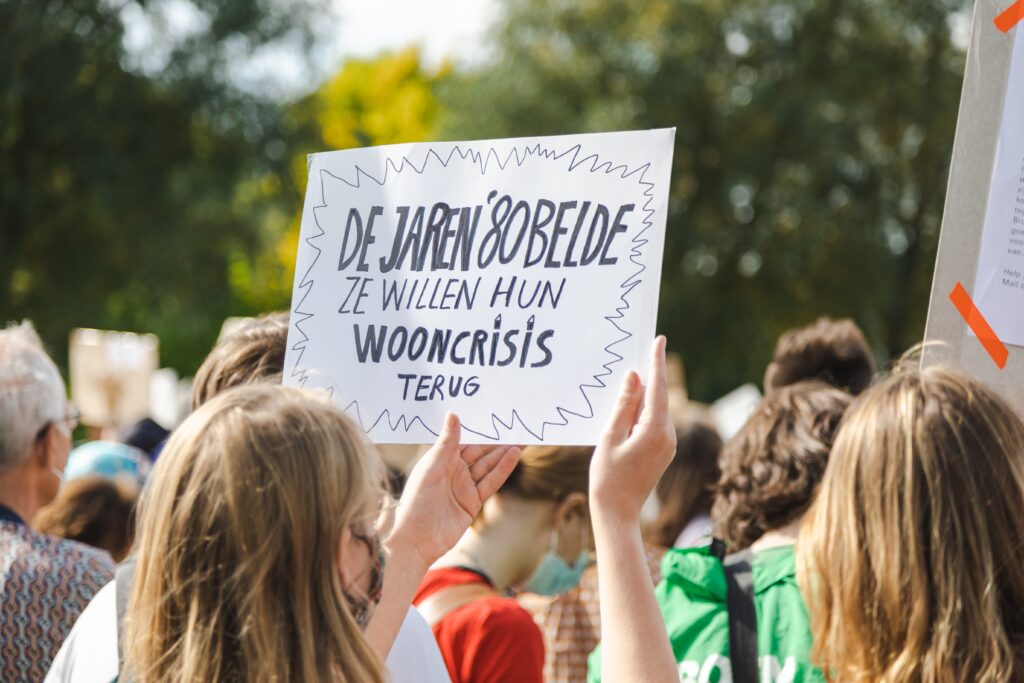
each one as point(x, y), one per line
point(812, 146)
point(382, 101)
point(123, 174)
point(140, 188)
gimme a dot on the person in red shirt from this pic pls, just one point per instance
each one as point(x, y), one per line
point(534, 536)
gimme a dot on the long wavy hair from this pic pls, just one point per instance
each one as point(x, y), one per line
point(238, 556)
point(912, 558)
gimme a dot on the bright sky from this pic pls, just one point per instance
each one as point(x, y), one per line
point(455, 29)
point(443, 28)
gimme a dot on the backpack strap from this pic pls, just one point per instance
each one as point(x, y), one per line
point(447, 600)
point(123, 578)
point(739, 581)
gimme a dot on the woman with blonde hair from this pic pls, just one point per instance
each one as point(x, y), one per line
point(258, 558)
point(911, 557)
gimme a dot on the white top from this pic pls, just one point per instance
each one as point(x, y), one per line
point(89, 655)
point(699, 532)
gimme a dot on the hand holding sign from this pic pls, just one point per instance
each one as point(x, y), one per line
point(446, 490)
point(510, 281)
point(637, 445)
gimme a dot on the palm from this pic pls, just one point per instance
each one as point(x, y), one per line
point(446, 490)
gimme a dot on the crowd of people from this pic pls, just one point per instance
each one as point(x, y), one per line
point(861, 526)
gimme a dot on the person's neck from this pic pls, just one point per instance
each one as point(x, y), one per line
point(18, 494)
point(785, 535)
point(489, 552)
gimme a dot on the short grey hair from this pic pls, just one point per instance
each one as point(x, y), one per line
point(31, 392)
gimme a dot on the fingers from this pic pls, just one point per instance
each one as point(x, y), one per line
point(484, 461)
point(656, 398)
point(624, 416)
point(503, 465)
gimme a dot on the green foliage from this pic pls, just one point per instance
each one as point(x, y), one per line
point(381, 101)
point(119, 193)
point(812, 148)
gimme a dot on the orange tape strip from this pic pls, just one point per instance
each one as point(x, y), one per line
point(985, 334)
point(1011, 17)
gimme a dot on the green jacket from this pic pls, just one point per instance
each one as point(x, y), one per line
point(692, 599)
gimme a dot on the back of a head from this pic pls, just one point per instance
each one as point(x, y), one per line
point(686, 489)
point(239, 536)
point(254, 353)
point(31, 393)
point(97, 511)
point(550, 473)
point(831, 351)
point(772, 467)
point(912, 554)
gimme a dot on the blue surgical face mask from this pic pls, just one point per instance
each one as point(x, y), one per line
point(554, 575)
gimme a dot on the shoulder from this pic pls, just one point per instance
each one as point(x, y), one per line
point(446, 577)
point(504, 617)
point(90, 651)
point(80, 561)
point(415, 656)
point(49, 558)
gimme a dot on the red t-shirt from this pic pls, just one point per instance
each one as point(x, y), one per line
point(488, 640)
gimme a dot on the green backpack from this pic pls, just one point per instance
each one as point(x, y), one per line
point(694, 602)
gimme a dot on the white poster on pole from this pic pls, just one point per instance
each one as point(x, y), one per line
point(512, 282)
point(999, 284)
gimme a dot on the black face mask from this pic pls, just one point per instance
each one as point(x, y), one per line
point(362, 604)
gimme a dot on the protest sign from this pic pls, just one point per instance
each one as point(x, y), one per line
point(111, 374)
point(977, 302)
point(512, 282)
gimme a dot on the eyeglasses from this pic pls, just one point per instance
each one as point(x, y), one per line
point(70, 419)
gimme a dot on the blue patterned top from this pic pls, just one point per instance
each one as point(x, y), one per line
point(46, 582)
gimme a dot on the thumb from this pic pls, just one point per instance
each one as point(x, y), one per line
point(451, 434)
point(626, 409)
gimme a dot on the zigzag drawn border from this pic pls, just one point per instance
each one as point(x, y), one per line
point(639, 241)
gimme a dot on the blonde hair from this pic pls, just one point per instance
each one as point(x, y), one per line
point(237, 576)
point(911, 558)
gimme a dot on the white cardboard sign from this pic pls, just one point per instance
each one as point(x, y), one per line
point(980, 247)
point(512, 282)
point(999, 283)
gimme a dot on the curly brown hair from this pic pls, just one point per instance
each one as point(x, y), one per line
point(772, 467)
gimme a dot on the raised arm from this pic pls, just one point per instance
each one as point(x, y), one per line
point(443, 495)
point(637, 445)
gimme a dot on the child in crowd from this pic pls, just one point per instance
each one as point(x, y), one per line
point(533, 536)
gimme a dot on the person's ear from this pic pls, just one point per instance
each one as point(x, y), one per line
point(344, 558)
point(46, 447)
point(770, 373)
point(572, 510)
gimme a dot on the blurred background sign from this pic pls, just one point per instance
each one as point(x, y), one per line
point(111, 374)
